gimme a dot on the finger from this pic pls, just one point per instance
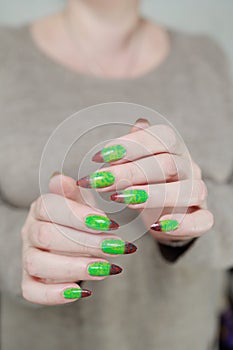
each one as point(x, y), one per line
point(140, 124)
point(143, 143)
point(183, 226)
point(184, 193)
point(38, 263)
point(155, 169)
point(56, 238)
point(66, 186)
point(51, 294)
point(63, 211)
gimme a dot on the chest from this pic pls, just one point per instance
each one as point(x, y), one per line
point(29, 125)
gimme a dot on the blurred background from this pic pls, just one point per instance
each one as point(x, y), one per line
point(213, 17)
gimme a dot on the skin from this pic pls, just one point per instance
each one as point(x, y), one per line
point(102, 38)
point(57, 245)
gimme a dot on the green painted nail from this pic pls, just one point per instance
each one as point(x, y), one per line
point(117, 246)
point(110, 154)
point(101, 268)
point(130, 196)
point(101, 223)
point(97, 180)
point(113, 246)
point(165, 225)
point(76, 293)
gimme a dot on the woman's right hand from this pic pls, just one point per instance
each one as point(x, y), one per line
point(63, 242)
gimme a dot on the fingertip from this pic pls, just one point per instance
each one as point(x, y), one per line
point(63, 185)
point(140, 124)
point(142, 121)
point(55, 174)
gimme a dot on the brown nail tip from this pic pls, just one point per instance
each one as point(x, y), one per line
point(84, 182)
point(113, 225)
point(130, 248)
point(86, 293)
point(117, 197)
point(142, 120)
point(98, 158)
point(55, 174)
point(115, 269)
point(156, 227)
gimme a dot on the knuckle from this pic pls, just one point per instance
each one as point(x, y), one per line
point(69, 268)
point(73, 216)
point(46, 296)
point(210, 220)
point(169, 166)
point(131, 170)
point(30, 263)
point(204, 192)
point(168, 136)
point(193, 226)
point(197, 172)
point(32, 206)
point(26, 291)
point(200, 191)
point(44, 238)
point(40, 207)
point(23, 232)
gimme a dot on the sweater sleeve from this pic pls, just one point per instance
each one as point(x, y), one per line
point(12, 220)
point(215, 248)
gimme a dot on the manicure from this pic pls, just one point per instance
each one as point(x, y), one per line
point(130, 196)
point(97, 180)
point(55, 174)
point(117, 246)
point(110, 154)
point(101, 223)
point(165, 225)
point(76, 293)
point(101, 268)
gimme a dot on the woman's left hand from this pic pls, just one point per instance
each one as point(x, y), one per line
point(150, 169)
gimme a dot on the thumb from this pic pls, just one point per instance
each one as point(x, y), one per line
point(66, 186)
point(140, 124)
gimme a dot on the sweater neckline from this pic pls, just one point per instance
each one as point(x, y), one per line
point(55, 65)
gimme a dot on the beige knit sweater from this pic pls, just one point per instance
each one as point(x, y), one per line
point(154, 304)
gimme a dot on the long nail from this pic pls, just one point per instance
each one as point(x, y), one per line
point(130, 196)
point(117, 246)
point(55, 174)
point(142, 120)
point(101, 268)
point(76, 293)
point(109, 154)
point(101, 223)
point(97, 180)
point(165, 225)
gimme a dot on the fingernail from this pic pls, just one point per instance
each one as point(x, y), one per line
point(109, 154)
point(142, 120)
point(55, 174)
point(101, 268)
point(117, 246)
point(101, 223)
point(76, 293)
point(165, 225)
point(97, 180)
point(130, 196)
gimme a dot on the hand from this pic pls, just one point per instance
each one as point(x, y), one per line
point(151, 169)
point(63, 242)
